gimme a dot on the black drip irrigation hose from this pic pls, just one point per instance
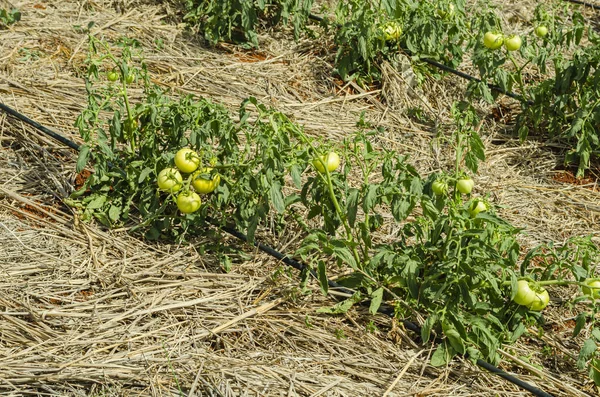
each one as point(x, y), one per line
point(295, 264)
point(583, 3)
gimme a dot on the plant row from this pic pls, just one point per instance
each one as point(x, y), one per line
point(433, 247)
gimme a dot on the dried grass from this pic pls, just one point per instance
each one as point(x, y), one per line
point(89, 312)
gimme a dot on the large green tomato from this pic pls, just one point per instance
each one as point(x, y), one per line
point(439, 188)
point(594, 291)
point(513, 43)
point(187, 160)
point(525, 295)
point(465, 185)
point(169, 180)
point(331, 159)
point(188, 202)
point(541, 31)
point(493, 41)
point(541, 300)
point(203, 184)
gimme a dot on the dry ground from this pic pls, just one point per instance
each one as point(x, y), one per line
point(86, 312)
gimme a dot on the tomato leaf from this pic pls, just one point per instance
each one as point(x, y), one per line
point(82, 159)
point(144, 174)
point(587, 351)
point(277, 197)
point(441, 356)
point(338, 308)
point(352, 205)
point(322, 273)
point(376, 299)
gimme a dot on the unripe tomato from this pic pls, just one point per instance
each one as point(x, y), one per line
point(541, 31)
point(493, 41)
point(439, 188)
point(594, 291)
point(392, 31)
point(112, 76)
point(476, 207)
point(187, 160)
point(541, 300)
point(188, 202)
point(465, 185)
point(525, 295)
point(446, 13)
point(331, 159)
point(203, 184)
point(169, 180)
point(513, 43)
point(130, 78)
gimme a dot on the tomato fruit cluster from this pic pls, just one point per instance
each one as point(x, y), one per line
point(170, 180)
point(535, 299)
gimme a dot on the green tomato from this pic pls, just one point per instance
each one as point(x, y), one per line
point(525, 295)
point(446, 13)
point(392, 31)
point(513, 43)
point(187, 160)
point(493, 41)
point(541, 31)
point(465, 185)
point(594, 291)
point(130, 78)
point(476, 207)
point(188, 202)
point(331, 159)
point(169, 180)
point(439, 188)
point(204, 185)
point(112, 76)
point(542, 298)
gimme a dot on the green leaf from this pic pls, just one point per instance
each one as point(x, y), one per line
point(376, 299)
point(370, 198)
point(428, 326)
point(594, 372)
point(344, 254)
point(579, 324)
point(322, 272)
point(82, 159)
point(114, 213)
point(277, 197)
point(296, 176)
point(352, 205)
point(441, 356)
point(587, 351)
point(338, 308)
point(144, 174)
point(96, 202)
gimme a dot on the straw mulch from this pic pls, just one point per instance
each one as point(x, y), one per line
point(90, 312)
